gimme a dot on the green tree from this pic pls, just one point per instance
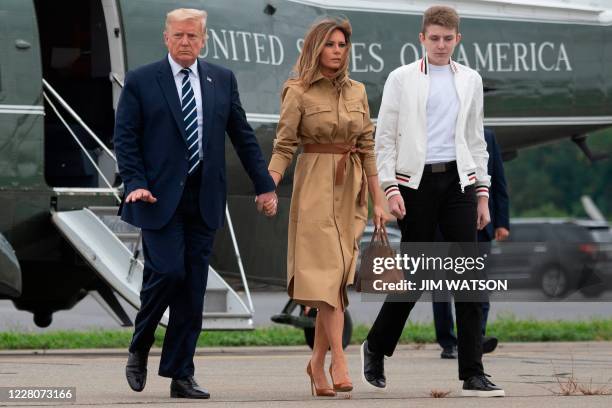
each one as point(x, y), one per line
point(548, 181)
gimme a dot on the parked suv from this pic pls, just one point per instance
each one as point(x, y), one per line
point(601, 279)
point(558, 256)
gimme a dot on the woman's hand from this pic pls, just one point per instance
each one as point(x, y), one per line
point(380, 215)
point(275, 176)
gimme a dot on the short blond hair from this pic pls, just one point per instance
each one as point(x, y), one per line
point(183, 14)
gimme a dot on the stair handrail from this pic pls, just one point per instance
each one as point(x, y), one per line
point(87, 154)
point(76, 117)
point(245, 284)
point(115, 78)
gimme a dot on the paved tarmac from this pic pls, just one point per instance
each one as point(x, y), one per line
point(274, 377)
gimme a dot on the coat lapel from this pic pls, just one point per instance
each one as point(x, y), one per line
point(168, 86)
point(207, 85)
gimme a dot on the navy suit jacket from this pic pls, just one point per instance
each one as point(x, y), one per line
point(498, 194)
point(152, 152)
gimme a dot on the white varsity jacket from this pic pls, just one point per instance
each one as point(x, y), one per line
point(401, 131)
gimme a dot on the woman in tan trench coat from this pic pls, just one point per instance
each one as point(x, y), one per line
point(327, 114)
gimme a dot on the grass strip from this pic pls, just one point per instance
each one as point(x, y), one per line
point(507, 329)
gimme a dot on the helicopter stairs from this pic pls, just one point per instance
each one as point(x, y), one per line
point(113, 249)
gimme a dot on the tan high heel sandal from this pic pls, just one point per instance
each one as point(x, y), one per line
point(340, 387)
point(319, 392)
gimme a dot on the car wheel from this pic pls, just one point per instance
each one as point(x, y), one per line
point(554, 282)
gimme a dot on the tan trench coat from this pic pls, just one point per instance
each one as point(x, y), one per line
point(326, 220)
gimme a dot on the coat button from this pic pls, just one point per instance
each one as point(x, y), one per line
point(182, 183)
point(186, 157)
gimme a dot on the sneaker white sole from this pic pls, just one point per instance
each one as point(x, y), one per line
point(483, 394)
point(363, 379)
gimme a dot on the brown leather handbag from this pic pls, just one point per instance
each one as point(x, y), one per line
point(378, 248)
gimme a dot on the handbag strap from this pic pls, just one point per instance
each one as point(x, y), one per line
point(383, 236)
point(375, 236)
point(380, 234)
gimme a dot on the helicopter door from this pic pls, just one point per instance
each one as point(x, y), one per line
point(76, 65)
point(21, 110)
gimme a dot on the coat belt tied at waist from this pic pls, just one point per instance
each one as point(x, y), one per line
point(345, 150)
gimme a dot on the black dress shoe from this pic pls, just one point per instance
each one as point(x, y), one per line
point(372, 368)
point(480, 386)
point(187, 388)
point(449, 353)
point(136, 370)
point(488, 344)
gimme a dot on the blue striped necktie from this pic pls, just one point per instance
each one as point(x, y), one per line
point(190, 118)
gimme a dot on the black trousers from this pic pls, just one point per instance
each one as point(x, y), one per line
point(443, 311)
point(438, 203)
point(445, 326)
point(175, 275)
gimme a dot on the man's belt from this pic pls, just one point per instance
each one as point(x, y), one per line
point(345, 150)
point(440, 167)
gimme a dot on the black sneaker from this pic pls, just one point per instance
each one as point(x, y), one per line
point(480, 386)
point(449, 353)
point(488, 344)
point(372, 368)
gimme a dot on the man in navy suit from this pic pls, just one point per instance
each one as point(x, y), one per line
point(498, 229)
point(170, 131)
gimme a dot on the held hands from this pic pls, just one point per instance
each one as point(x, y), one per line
point(484, 217)
point(396, 206)
point(140, 194)
point(267, 203)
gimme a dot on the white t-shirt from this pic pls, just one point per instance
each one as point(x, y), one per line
point(442, 110)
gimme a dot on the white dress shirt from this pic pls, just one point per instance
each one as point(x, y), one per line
point(195, 84)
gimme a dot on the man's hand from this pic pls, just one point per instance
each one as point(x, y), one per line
point(267, 203)
point(501, 234)
point(396, 206)
point(484, 218)
point(140, 194)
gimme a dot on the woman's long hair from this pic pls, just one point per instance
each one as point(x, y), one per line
point(307, 66)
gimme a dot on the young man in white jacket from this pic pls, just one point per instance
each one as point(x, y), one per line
point(432, 165)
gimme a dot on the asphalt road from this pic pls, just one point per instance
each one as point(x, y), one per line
point(530, 373)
